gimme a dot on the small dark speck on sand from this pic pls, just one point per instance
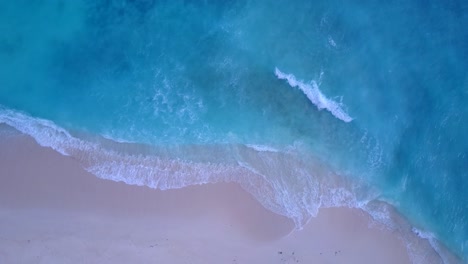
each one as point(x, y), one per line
point(280, 252)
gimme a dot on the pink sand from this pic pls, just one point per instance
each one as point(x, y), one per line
point(52, 211)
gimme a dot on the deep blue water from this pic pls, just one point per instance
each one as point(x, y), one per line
point(375, 90)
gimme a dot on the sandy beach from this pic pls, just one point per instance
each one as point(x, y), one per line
point(53, 211)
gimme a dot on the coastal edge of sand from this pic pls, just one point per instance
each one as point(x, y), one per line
point(53, 211)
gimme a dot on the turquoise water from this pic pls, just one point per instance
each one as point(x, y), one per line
point(375, 92)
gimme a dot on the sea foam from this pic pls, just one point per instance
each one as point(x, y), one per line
point(160, 171)
point(316, 96)
point(284, 182)
point(278, 180)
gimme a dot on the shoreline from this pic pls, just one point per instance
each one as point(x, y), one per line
point(68, 210)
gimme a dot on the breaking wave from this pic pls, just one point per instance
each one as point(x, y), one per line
point(316, 96)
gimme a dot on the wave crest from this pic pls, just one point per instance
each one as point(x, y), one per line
point(316, 96)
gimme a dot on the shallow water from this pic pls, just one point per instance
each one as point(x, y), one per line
point(305, 104)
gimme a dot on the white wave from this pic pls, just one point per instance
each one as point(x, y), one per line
point(152, 171)
point(442, 252)
point(299, 199)
point(45, 132)
point(158, 172)
point(117, 139)
point(314, 94)
point(422, 247)
point(261, 148)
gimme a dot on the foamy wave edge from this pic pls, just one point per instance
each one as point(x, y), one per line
point(163, 173)
point(157, 172)
point(252, 169)
point(315, 96)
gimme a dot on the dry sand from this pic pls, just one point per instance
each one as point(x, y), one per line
point(52, 211)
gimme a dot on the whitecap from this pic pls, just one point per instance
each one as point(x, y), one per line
point(261, 148)
point(314, 94)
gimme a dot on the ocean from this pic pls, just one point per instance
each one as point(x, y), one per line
point(305, 104)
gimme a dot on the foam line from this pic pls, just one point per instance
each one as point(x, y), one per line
point(314, 94)
point(262, 148)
